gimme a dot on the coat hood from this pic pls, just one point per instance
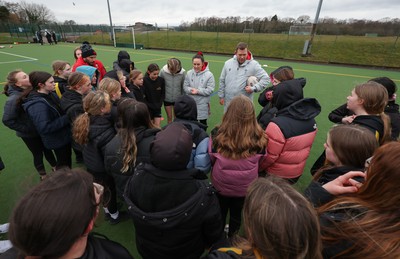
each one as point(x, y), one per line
point(185, 108)
point(123, 55)
point(166, 70)
point(88, 70)
point(13, 89)
point(286, 93)
point(171, 148)
point(248, 58)
point(304, 109)
point(126, 64)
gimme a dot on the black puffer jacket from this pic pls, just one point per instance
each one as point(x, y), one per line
point(71, 103)
point(96, 248)
point(175, 210)
point(279, 101)
point(113, 156)
point(101, 131)
point(15, 117)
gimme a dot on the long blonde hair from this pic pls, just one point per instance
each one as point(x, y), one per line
point(93, 103)
point(239, 135)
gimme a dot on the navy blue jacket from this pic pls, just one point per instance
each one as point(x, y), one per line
point(50, 122)
point(15, 117)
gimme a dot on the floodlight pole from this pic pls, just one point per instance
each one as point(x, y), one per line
point(111, 25)
point(314, 29)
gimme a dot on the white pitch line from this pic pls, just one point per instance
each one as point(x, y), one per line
point(20, 56)
point(18, 61)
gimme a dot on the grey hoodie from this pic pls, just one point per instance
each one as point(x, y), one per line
point(173, 83)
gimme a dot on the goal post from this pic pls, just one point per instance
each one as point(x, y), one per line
point(300, 29)
point(248, 31)
point(124, 37)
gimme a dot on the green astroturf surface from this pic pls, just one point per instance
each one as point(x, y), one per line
point(328, 83)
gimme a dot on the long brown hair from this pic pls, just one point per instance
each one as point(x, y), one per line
point(93, 103)
point(279, 222)
point(372, 226)
point(37, 230)
point(239, 135)
point(375, 99)
point(352, 145)
point(132, 114)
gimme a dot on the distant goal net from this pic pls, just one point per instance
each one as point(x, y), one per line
point(124, 37)
point(248, 31)
point(300, 29)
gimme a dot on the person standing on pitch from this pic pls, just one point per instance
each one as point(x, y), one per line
point(235, 73)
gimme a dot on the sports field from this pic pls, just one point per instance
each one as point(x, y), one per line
point(327, 83)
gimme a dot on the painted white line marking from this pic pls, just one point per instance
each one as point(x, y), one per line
point(26, 59)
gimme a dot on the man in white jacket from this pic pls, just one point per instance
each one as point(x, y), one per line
point(234, 75)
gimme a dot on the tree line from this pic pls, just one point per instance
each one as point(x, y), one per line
point(326, 26)
point(33, 13)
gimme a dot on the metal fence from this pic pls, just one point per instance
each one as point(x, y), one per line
point(368, 50)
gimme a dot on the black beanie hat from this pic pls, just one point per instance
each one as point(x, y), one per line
point(171, 148)
point(87, 51)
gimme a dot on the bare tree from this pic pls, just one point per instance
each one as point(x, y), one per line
point(69, 22)
point(35, 13)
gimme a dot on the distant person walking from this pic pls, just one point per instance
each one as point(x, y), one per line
point(54, 37)
point(39, 37)
point(48, 36)
point(236, 72)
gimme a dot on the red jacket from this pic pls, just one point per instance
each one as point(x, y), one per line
point(97, 64)
point(290, 137)
point(287, 157)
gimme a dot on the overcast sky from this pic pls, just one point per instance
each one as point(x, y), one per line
point(174, 12)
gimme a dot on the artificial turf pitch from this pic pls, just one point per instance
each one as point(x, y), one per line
point(329, 84)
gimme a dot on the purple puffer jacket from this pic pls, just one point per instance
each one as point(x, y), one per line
point(232, 177)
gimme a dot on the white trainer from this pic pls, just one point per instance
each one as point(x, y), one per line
point(4, 228)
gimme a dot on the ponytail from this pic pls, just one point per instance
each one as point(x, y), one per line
point(80, 130)
point(93, 103)
point(387, 129)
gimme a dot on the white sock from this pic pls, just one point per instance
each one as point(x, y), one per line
point(115, 215)
point(106, 210)
point(4, 227)
point(5, 245)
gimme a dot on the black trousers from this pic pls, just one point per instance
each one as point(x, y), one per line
point(110, 191)
point(35, 145)
point(63, 156)
point(235, 206)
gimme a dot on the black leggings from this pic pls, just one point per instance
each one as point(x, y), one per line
point(235, 206)
point(110, 192)
point(63, 156)
point(35, 145)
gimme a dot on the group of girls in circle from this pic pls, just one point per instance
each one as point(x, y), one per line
point(253, 166)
